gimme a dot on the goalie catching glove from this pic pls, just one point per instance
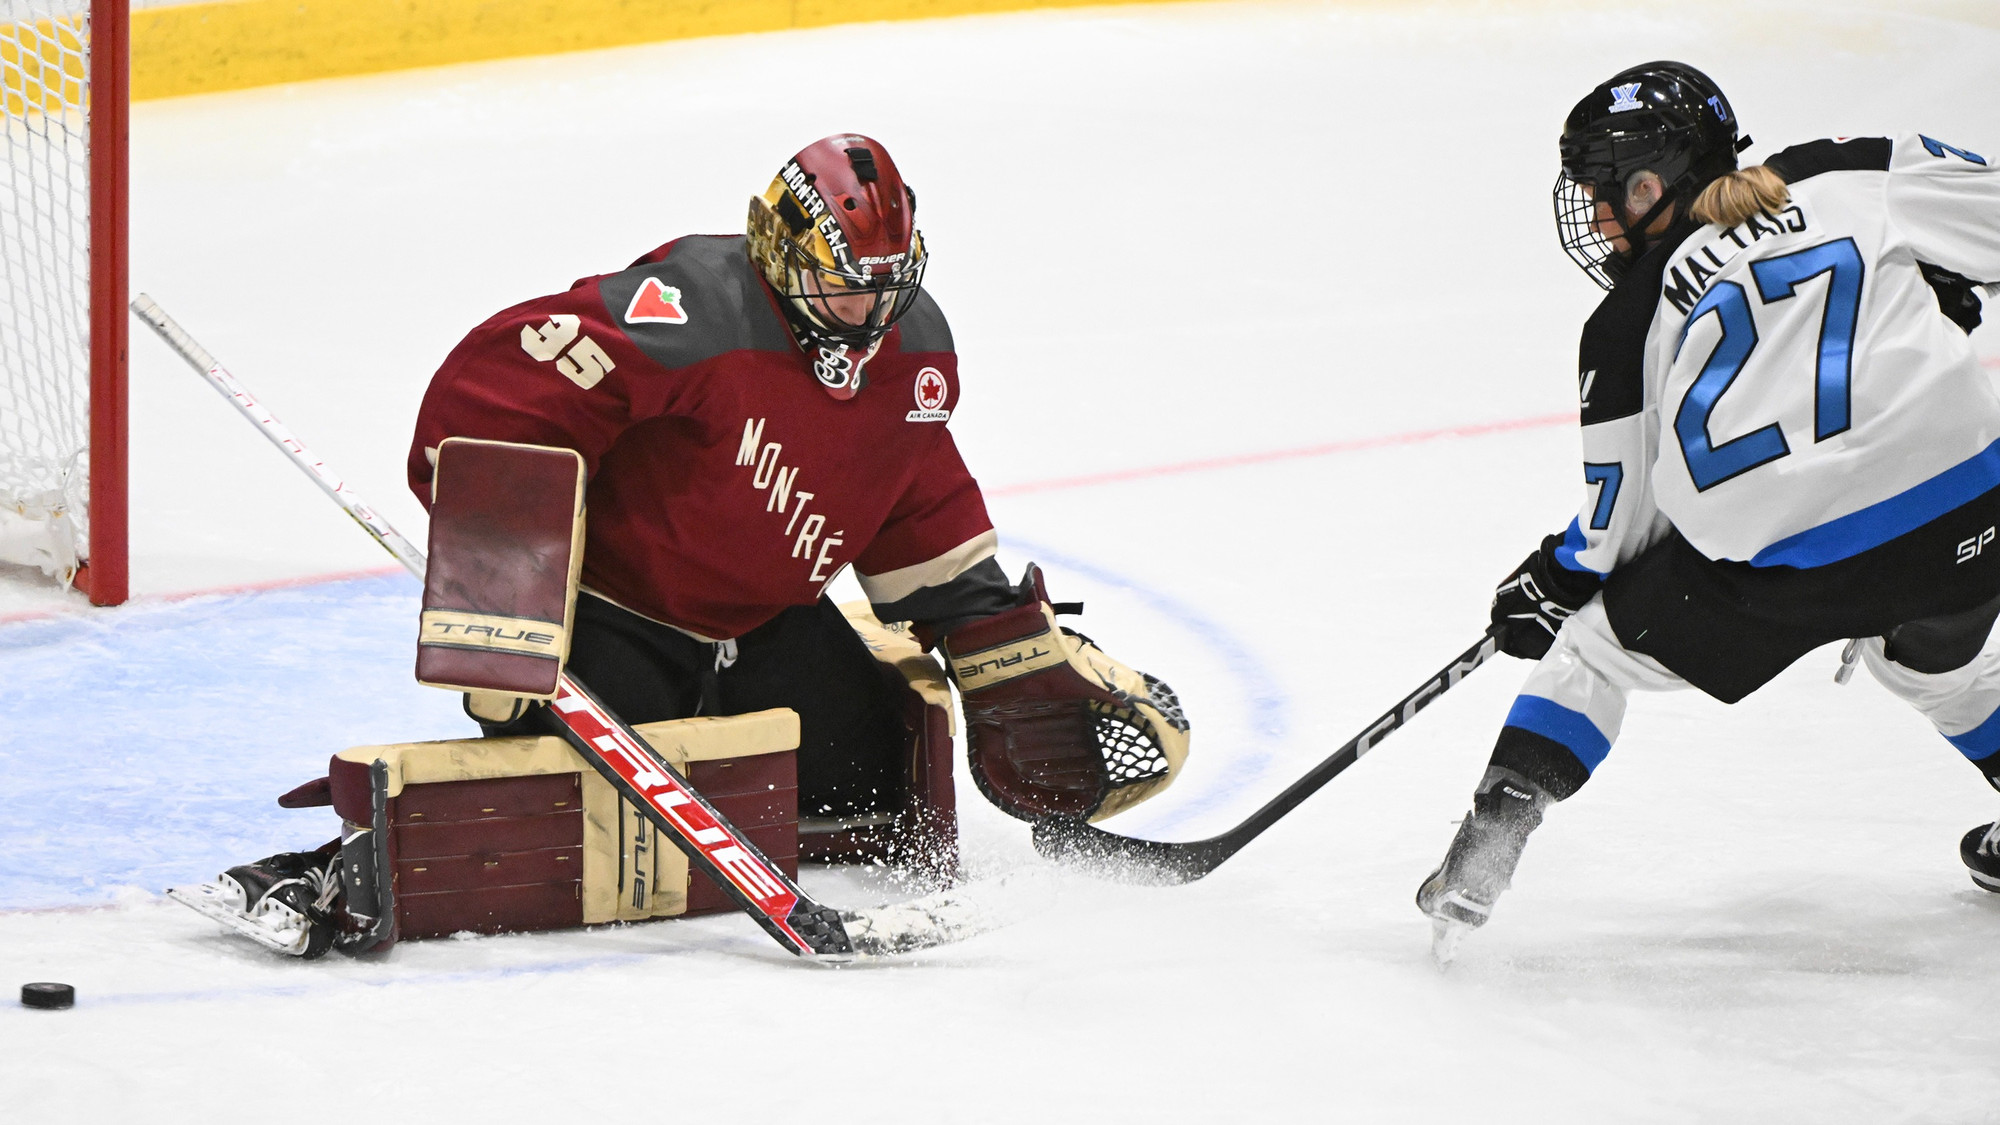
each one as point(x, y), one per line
point(1056, 728)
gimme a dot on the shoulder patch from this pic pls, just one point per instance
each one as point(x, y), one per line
point(699, 300)
point(656, 302)
point(1855, 154)
point(931, 390)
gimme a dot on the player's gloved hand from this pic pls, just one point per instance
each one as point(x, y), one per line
point(1535, 600)
point(1957, 295)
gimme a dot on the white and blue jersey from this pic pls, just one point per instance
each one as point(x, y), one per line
point(1787, 443)
point(1798, 399)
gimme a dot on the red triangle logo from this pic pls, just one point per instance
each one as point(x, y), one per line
point(656, 303)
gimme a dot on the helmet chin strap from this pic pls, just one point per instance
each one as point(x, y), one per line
point(1636, 238)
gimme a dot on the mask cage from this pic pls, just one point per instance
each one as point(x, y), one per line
point(1576, 214)
point(895, 291)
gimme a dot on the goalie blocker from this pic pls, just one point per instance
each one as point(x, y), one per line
point(1054, 726)
point(506, 548)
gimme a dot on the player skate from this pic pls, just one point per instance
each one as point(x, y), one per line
point(1981, 852)
point(1459, 896)
point(287, 902)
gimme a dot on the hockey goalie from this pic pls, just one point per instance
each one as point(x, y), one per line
point(741, 418)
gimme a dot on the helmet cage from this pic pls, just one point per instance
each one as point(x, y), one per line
point(814, 292)
point(1576, 223)
point(1666, 118)
point(1598, 168)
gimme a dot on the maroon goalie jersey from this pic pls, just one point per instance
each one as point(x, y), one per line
point(724, 483)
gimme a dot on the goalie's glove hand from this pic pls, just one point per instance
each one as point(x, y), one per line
point(1537, 597)
point(1055, 727)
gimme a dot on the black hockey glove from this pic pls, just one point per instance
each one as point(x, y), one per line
point(1536, 599)
point(1957, 295)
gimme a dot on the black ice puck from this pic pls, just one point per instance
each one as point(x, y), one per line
point(48, 994)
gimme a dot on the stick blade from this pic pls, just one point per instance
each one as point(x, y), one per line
point(1124, 859)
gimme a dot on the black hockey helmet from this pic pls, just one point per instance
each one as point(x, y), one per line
point(1662, 117)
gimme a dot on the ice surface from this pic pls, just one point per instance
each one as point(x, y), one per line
point(1164, 235)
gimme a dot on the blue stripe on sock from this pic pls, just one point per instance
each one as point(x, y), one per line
point(1982, 741)
point(1553, 721)
point(1900, 514)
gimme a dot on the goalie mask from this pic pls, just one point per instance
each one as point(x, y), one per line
point(835, 237)
point(1663, 118)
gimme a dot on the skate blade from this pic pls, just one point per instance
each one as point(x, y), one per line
point(271, 928)
point(1445, 936)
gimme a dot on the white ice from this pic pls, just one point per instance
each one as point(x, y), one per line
point(1164, 235)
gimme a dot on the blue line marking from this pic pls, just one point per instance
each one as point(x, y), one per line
point(146, 746)
point(392, 977)
point(1270, 707)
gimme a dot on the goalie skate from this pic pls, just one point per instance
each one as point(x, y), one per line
point(282, 903)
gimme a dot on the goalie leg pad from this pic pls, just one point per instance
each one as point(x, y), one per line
point(519, 834)
point(506, 550)
point(917, 827)
point(1054, 726)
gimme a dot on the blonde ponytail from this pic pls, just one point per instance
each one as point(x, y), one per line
point(1738, 195)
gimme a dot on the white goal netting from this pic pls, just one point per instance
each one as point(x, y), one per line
point(44, 285)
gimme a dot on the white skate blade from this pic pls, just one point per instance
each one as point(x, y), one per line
point(1445, 936)
point(273, 926)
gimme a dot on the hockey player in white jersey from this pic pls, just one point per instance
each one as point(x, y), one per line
point(1788, 441)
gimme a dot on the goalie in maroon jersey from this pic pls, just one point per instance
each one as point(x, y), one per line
point(755, 414)
point(747, 416)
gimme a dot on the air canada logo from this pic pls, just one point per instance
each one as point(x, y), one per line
point(656, 303)
point(931, 392)
point(1625, 98)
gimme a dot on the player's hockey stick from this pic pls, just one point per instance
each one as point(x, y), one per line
point(1160, 861)
point(713, 845)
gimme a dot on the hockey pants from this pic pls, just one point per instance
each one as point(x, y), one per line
point(1570, 711)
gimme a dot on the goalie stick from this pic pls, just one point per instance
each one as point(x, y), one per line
point(713, 845)
point(1165, 862)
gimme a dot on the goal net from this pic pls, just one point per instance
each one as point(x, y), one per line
point(61, 291)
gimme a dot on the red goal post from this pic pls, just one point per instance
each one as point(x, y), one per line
point(64, 96)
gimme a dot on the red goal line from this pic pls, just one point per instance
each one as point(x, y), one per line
point(1237, 460)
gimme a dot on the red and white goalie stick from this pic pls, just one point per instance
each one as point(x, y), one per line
point(713, 845)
